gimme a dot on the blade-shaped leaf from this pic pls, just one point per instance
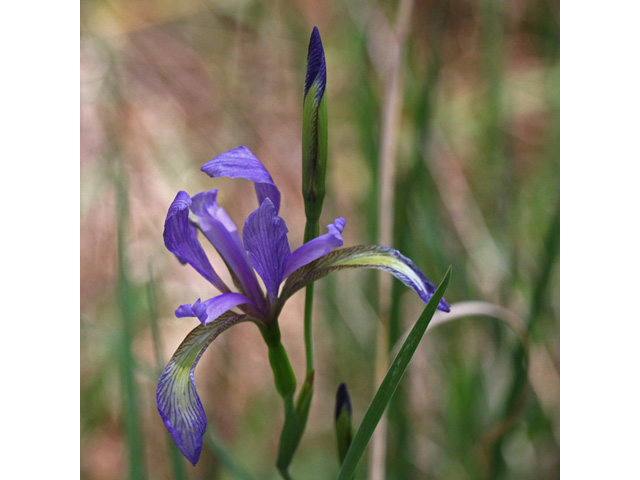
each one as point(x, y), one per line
point(389, 384)
point(363, 256)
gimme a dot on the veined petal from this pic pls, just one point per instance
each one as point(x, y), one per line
point(265, 239)
point(176, 395)
point(211, 309)
point(316, 247)
point(361, 256)
point(223, 234)
point(241, 163)
point(180, 238)
point(205, 204)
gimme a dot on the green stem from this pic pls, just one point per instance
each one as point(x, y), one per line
point(285, 382)
point(312, 228)
point(308, 343)
point(289, 438)
point(283, 375)
point(303, 405)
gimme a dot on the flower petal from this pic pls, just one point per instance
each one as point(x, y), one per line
point(241, 163)
point(180, 238)
point(223, 234)
point(265, 239)
point(362, 256)
point(176, 395)
point(317, 247)
point(211, 309)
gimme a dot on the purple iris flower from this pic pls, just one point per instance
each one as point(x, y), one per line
point(264, 250)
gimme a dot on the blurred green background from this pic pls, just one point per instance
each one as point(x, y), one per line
point(443, 141)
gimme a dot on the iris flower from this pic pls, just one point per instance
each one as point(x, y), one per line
point(264, 250)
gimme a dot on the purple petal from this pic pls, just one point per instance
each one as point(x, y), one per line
point(211, 309)
point(317, 247)
point(178, 401)
point(180, 237)
point(265, 239)
point(223, 234)
point(241, 163)
point(363, 256)
point(316, 66)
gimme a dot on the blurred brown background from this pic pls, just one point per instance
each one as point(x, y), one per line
point(166, 86)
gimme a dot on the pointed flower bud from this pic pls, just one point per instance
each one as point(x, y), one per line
point(344, 429)
point(316, 67)
point(314, 129)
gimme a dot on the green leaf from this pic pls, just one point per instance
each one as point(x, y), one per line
point(389, 384)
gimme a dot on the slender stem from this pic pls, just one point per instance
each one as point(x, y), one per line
point(308, 343)
point(289, 437)
point(311, 230)
point(392, 107)
point(285, 382)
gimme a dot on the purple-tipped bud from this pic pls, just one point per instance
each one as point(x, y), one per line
point(344, 429)
point(316, 66)
point(314, 134)
point(342, 401)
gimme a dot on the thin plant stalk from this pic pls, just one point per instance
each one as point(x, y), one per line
point(133, 432)
point(312, 228)
point(387, 174)
point(176, 459)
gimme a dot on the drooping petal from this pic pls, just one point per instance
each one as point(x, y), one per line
point(362, 256)
point(223, 234)
point(176, 395)
point(211, 309)
point(241, 163)
point(265, 239)
point(180, 238)
point(317, 247)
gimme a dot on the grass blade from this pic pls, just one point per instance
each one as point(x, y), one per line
point(125, 296)
point(216, 445)
point(177, 462)
point(389, 384)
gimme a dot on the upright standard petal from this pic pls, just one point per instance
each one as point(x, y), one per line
point(211, 309)
point(178, 401)
point(180, 238)
point(241, 163)
point(317, 247)
point(223, 234)
point(265, 239)
point(206, 204)
point(361, 256)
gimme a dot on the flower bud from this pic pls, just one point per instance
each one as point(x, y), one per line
point(314, 129)
point(344, 429)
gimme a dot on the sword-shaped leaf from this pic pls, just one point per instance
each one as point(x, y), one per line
point(389, 384)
